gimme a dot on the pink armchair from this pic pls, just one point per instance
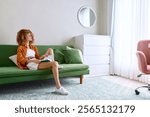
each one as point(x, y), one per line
point(143, 56)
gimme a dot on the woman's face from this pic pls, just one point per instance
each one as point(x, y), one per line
point(29, 37)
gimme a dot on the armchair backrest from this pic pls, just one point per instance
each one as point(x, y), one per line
point(144, 46)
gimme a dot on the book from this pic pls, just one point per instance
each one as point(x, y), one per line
point(47, 59)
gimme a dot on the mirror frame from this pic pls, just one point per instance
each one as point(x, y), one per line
point(78, 16)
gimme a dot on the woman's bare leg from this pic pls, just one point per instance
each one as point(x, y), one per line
point(54, 66)
point(49, 51)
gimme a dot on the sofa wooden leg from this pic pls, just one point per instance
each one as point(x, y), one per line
point(81, 79)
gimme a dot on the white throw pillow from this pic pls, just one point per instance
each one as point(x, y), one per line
point(13, 58)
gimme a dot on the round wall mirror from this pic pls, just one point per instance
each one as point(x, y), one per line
point(86, 16)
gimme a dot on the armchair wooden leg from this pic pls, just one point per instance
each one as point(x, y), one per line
point(81, 79)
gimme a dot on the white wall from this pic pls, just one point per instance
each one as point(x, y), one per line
point(52, 21)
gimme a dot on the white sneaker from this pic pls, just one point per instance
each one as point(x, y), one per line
point(61, 91)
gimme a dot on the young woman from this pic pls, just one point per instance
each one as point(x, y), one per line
point(28, 57)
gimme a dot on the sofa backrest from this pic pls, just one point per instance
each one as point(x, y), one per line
point(8, 50)
point(5, 52)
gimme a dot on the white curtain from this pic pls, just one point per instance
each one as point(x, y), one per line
point(130, 23)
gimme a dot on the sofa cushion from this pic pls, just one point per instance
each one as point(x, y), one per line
point(6, 52)
point(6, 72)
point(73, 56)
point(73, 67)
point(13, 71)
point(59, 56)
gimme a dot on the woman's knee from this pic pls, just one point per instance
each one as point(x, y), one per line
point(55, 64)
point(50, 50)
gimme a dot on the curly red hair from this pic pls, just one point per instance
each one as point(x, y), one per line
point(21, 36)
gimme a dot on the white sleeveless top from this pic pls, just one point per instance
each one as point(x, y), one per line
point(31, 65)
point(30, 53)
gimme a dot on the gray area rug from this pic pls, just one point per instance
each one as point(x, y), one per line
point(97, 88)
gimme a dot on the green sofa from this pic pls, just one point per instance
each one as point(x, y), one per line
point(10, 73)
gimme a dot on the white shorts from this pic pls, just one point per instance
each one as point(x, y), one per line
point(32, 66)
